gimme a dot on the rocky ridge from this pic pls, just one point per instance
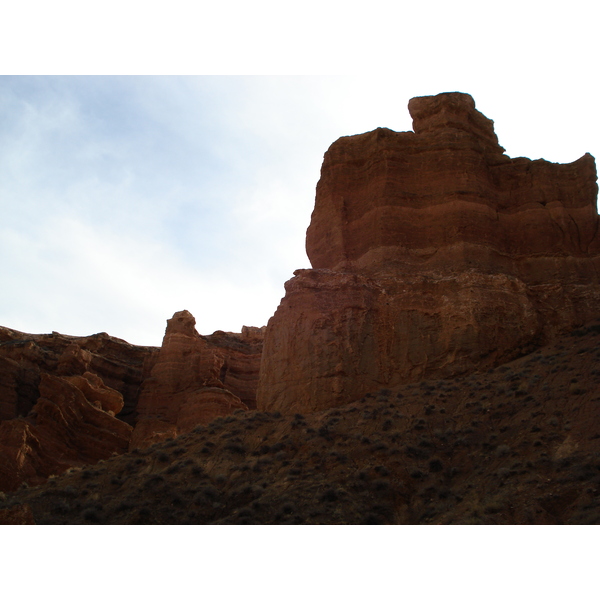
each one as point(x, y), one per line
point(195, 379)
point(24, 357)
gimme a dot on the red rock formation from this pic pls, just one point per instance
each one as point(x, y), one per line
point(434, 254)
point(242, 354)
point(9, 396)
point(97, 393)
point(56, 407)
point(445, 198)
point(196, 379)
point(67, 427)
point(24, 357)
point(108, 373)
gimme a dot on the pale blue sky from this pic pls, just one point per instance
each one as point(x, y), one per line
point(125, 199)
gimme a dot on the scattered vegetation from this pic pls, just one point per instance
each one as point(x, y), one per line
point(515, 444)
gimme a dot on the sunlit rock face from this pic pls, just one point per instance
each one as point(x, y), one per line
point(196, 379)
point(433, 254)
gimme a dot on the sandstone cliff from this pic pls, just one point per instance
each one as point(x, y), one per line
point(518, 444)
point(24, 357)
point(69, 401)
point(434, 254)
point(196, 379)
point(446, 198)
point(71, 424)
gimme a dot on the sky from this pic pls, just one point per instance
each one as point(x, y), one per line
point(126, 198)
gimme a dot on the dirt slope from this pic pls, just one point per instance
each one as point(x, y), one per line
point(518, 444)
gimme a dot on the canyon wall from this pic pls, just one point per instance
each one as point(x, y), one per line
point(24, 357)
point(196, 379)
point(433, 254)
point(68, 401)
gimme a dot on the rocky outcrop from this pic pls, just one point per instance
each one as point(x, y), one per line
point(242, 355)
point(195, 379)
point(446, 199)
point(59, 397)
point(434, 254)
point(97, 393)
point(67, 401)
point(71, 424)
point(24, 357)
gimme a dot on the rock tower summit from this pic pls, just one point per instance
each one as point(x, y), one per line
point(447, 198)
point(433, 254)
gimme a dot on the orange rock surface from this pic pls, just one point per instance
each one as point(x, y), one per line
point(195, 379)
point(24, 357)
point(434, 254)
point(446, 198)
point(242, 355)
point(67, 427)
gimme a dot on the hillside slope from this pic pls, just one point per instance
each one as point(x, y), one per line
point(518, 444)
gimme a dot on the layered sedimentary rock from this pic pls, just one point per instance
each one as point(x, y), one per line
point(71, 424)
point(67, 401)
point(446, 198)
point(242, 355)
point(195, 379)
point(59, 397)
point(434, 254)
point(24, 357)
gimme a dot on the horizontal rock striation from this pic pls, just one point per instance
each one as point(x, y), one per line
point(24, 357)
point(241, 361)
point(434, 254)
point(52, 383)
point(71, 424)
point(196, 379)
point(446, 198)
point(59, 400)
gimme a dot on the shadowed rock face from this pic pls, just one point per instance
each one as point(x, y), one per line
point(59, 397)
point(71, 424)
point(434, 254)
point(24, 357)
